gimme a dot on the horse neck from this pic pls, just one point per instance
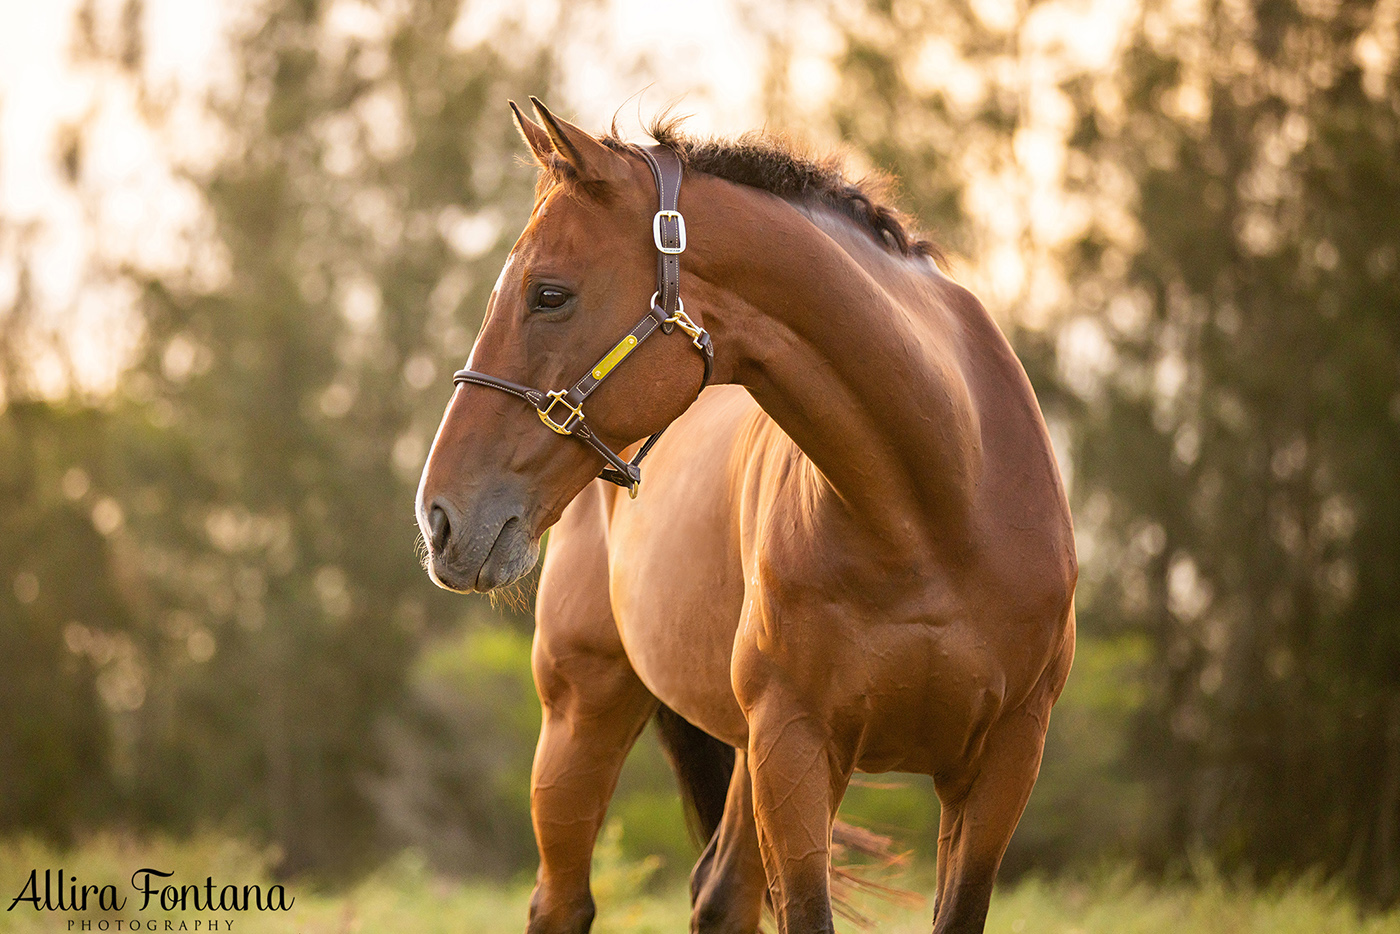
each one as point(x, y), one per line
point(863, 373)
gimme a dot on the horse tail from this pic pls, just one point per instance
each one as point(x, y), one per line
point(879, 859)
point(703, 766)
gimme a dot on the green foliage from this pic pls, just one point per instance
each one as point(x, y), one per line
point(648, 815)
point(65, 629)
point(1238, 460)
point(902, 807)
point(456, 781)
point(302, 390)
point(1088, 803)
point(257, 465)
point(615, 878)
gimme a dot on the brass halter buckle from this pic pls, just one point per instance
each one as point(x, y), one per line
point(571, 421)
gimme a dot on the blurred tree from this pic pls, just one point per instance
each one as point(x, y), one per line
point(65, 633)
point(1239, 454)
point(289, 385)
point(905, 121)
point(62, 617)
point(458, 781)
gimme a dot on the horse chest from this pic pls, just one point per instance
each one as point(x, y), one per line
point(908, 688)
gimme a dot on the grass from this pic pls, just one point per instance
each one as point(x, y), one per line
point(405, 896)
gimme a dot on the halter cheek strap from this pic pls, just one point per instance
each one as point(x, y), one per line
point(562, 410)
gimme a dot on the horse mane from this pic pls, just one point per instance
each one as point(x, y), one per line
point(775, 165)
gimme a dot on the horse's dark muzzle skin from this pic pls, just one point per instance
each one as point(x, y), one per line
point(477, 551)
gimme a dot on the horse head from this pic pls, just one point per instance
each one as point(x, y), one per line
point(577, 279)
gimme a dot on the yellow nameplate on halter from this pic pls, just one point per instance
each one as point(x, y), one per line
point(615, 356)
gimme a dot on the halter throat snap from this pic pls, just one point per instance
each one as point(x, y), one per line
point(561, 410)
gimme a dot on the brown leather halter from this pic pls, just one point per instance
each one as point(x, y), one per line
point(667, 312)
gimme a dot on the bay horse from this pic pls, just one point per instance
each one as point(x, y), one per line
point(853, 551)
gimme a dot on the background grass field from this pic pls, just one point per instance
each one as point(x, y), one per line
point(405, 896)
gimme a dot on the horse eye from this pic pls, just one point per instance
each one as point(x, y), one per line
point(551, 298)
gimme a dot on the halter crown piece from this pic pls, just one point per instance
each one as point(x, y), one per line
point(562, 410)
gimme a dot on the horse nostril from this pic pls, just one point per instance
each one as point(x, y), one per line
point(437, 522)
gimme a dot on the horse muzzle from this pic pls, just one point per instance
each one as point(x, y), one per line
point(477, 551)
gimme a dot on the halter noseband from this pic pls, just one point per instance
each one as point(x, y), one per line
point(667, 312)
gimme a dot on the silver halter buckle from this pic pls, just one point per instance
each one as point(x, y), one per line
point(656, 232)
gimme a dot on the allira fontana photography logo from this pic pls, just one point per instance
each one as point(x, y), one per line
point(151, 891)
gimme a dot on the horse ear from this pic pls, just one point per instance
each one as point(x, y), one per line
point(535, 136)
point(593, 161)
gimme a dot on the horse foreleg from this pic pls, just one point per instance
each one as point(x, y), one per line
point(594, 709)
point(797, 786)
point(981, 808)
point(727, 885)
point(979, 818)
